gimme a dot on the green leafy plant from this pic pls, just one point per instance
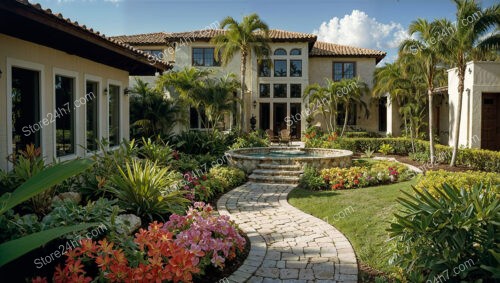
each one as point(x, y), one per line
point(433, 179)
point(435, 234)
point(368, 153)
point(252, 139)
point(147, 190)
point(311, 179)
point(37, 184)
point(229, 177)
point(156, 151)
point(385, 149)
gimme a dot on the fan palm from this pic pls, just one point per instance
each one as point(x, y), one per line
point(472, 32)
point(251, 34)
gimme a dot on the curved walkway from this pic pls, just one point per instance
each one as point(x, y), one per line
point(287, 245)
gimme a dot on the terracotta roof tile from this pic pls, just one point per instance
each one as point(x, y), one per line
point(143, 39)
point(205, 35)
point(331, 49)
point(84, 28)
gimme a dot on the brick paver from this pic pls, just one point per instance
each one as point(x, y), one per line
point(287, 245)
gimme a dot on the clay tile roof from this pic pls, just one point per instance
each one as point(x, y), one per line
point(206, 35)
point(143, 39)
point(336, 50)
point(59, 17)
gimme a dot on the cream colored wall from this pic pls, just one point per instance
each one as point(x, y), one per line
point(480, 77)
point(321, 68)
point(24, 54)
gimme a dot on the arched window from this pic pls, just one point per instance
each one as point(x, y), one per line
point(280, 51)
point(295, 51)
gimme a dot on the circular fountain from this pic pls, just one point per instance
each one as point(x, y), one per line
point(249, 159)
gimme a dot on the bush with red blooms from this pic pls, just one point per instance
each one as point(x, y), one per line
point(173, 252)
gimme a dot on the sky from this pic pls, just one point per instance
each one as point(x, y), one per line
point(376, 24)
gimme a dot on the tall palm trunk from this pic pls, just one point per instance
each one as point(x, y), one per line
point(456, 130)
point(242, 79)
point(431, 125)
point(346, 117)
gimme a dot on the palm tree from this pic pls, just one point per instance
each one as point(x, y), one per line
point(351, 92)
point(151, 111)
point(324, 100)
point(216, 97)
point(427, 62)
point(251, 34)
point(468, 37)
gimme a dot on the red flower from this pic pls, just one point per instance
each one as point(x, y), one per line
point(39, 280)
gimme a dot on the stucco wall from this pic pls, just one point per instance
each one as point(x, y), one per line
point(321, 68)
point(20, 53)
point(480, 77)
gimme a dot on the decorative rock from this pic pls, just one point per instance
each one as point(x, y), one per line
point(127, 223)
point(68, 196)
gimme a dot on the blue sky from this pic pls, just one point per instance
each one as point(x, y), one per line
point(378, 24)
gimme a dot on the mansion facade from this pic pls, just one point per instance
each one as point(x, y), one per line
point(275, 95)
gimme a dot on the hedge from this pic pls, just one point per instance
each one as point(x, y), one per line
point(433, 179)
point(477, 159)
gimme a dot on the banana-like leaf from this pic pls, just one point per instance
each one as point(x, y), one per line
point(43, 181)
point(11, 250)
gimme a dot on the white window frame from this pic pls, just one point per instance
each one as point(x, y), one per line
point(13, 62)
point(120, 105)
point(98, 80)
point(76, 112)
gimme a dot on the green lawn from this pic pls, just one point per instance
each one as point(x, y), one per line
point(361, 214)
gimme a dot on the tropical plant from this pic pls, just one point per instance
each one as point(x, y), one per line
point(438, 233)
point(427, 64)
point(147, 190)
point(37, 184)
point(368, 153)
point(351, 92)
point(250, 36)
point(385, 149)
point(252, 139)
point(216, 98)
point(463, 41)
point(324, 100)
point(151, 111)
point(157, 151)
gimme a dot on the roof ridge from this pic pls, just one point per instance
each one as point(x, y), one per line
point(351, 46)
point(60, 17)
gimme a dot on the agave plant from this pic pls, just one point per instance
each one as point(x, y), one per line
point(147, 189)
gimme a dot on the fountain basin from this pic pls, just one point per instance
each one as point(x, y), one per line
point(248, 159)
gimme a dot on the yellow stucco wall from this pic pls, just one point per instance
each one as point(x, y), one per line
point(49, 62)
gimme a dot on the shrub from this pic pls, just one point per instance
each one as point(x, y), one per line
point(176, 251)
point(147, 190)
point(199, 142)
point(213, 238)
point(312, 180)
point(253, 139)
point(435, 235)
point(156, 151)
point(419, 156)
point(385, 149)
point(229, 177)
point(362, 174)
point(477, 159)
point(433, 179)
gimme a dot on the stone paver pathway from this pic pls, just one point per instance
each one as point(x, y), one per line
point(287, 245)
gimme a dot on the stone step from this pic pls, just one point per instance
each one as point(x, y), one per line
point(271, 172)
point(287, 167)
point(256, 178)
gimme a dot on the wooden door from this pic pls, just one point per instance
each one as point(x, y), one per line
point(490, 121)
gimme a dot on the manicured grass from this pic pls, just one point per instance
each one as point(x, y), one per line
point(362, 215)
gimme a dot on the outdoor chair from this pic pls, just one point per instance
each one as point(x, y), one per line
point(285, 136)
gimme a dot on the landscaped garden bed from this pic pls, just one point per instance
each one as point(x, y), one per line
point(144, 207)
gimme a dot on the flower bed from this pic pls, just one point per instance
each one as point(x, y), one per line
point(176, 251)
point(363, 174)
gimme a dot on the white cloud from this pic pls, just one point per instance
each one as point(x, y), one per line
point(358, 29)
